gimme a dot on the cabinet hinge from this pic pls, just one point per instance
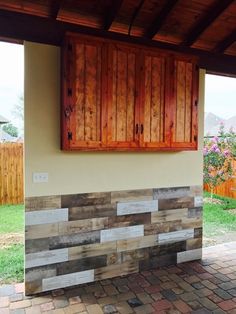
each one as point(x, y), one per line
point(69, 91)
point(69, 136)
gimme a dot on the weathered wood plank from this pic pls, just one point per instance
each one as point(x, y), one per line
point(137, 243)
point(90, 250)
point(38, 273)
point(43, 202)
point(46, 216)
point(128, 208)
point(166, 249)
point(113, 258)
point(187, 256)
point(175, 236)
point(156, 262)
point(198, 201)
point(82, 264)
point(129, 220)
point(84, 225)
point(168, 226)
point(174, 203)
point(68, 280)
point(169, 215)
point(74, 240)
point(95, 211)
point(46, 258)
point(192, 244)
point(36, 245)
point(196, 190)
point(85, 199)
point(135, 255)
point(41, 231)
point(115, 234)
point(132, 195)
point(168, 193)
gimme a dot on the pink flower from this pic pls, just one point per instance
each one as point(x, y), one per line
point(215, 139)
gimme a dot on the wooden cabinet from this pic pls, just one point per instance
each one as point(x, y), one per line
point(83, 85)
point(184, 103)
point(129, 98)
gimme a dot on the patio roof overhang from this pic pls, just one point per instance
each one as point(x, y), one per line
point(203, 28)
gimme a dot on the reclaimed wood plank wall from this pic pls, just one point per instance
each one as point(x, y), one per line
point(81, 238)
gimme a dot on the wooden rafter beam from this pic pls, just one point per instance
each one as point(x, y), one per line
point(226, 42)
point(213, 13)
point(22, 26)
point(55, 8)
point(160, 19)
point(112, 13)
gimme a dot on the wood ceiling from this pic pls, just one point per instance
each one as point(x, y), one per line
point(206, 28)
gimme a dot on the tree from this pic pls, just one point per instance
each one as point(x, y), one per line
point(218, 155)
point(18, 112)
point(10, 129)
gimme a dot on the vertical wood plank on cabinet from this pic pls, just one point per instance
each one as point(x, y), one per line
point(130, 97)
point(154, 101)
point(148, 98)
point(90, 92)
point(122, 100)
point(121, 95)
point(188, 102)
point(79, 91)
point(180, 107)
point(183, 103)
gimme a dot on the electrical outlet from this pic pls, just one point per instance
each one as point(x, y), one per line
point(40, 177)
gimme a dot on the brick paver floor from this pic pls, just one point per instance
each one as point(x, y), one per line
point(207, 286)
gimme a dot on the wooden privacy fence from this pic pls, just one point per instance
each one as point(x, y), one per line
point(228, 188)
point(11, 173)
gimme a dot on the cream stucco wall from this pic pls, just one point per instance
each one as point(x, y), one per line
point(76, 172)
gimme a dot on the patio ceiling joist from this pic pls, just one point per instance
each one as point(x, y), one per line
point(55, 8)
point(213, 13)
point(109, 18)
point(226, 42)
point(160, 19)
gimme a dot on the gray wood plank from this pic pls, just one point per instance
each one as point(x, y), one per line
point(122, 233)
point(127, 208)
point(187, 256)
point(68, 280)
point(46, 258)
point(175, 236)
point(46, 216)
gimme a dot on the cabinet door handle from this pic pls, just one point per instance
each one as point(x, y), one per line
point(141, 128)
point(136, 131)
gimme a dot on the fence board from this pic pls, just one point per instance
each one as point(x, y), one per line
point(227, 188)
point(11, 173)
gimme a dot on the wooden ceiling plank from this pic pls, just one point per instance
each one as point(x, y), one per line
point(213, 13)
point(48, 31)
point(55, 8)
point(160, 19)
point(112, 13)
point(225, 43)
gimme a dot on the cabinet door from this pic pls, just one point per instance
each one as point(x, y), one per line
point(83, 97)
point(155, 130)
point(184, 104)
point(123, 113)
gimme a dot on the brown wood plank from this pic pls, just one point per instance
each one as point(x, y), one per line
point(122, 77)
point(90, 92)
point(130, 123)
point(188, 102)
point(99, 88)
point(147, 99)
point(80, 91)
point(180, 108)
point(113, 117)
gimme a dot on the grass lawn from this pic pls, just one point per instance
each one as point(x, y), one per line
point(11, 244)
point(218, 220)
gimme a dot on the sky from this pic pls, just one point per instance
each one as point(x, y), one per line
point(220, 91)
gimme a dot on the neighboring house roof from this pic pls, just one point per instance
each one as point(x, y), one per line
point(3, 120)
point(5, 137)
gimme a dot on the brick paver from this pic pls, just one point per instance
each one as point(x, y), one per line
point(202, 287)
